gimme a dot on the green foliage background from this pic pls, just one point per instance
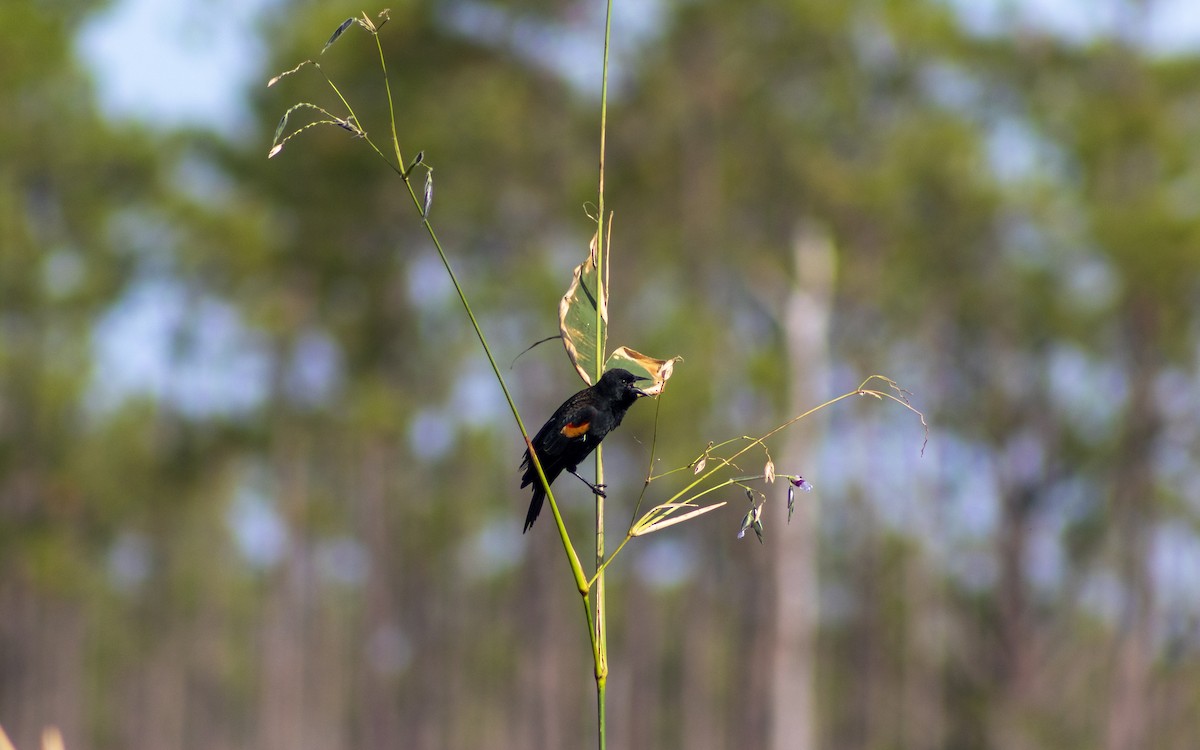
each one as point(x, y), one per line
point(298, 560)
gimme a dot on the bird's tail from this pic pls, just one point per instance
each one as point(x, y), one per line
point(535, 505)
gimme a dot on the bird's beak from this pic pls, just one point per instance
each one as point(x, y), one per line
point(639, 391)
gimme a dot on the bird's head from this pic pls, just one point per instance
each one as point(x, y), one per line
point(619, 382)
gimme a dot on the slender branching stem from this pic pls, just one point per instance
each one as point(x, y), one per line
point(592, 591)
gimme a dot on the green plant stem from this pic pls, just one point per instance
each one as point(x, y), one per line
point(600, 628)
point(601, 713)
point(598, 625)
point(387, 85)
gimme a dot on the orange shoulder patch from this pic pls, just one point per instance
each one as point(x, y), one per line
point(575, 429)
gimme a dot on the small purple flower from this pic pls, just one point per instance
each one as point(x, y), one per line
point(797, 482)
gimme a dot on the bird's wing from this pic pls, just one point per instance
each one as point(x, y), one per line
point(571, 424)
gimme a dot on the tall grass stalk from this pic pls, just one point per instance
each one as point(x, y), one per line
point(600, 629)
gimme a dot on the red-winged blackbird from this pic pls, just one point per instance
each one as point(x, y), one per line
point(575, 430)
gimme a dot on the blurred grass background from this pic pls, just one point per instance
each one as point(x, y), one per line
point(257, 488)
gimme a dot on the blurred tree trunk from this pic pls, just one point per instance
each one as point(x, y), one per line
point(555, 653)
point(1012, 661)
point(285, 723)
point(793, 719)
point(648, 698)
point(923, 721)
point(922, 699)
point(1133, 514)
point(380, 720)
point(704, 659)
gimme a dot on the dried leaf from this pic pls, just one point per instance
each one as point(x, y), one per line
point(671, 521)
point(769, 471)
point(578, 312)
point(659, 370)
point(583, 325)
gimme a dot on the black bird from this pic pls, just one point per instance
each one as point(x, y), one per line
point(575, 430)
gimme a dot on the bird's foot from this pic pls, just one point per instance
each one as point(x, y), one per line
point(596, 488)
